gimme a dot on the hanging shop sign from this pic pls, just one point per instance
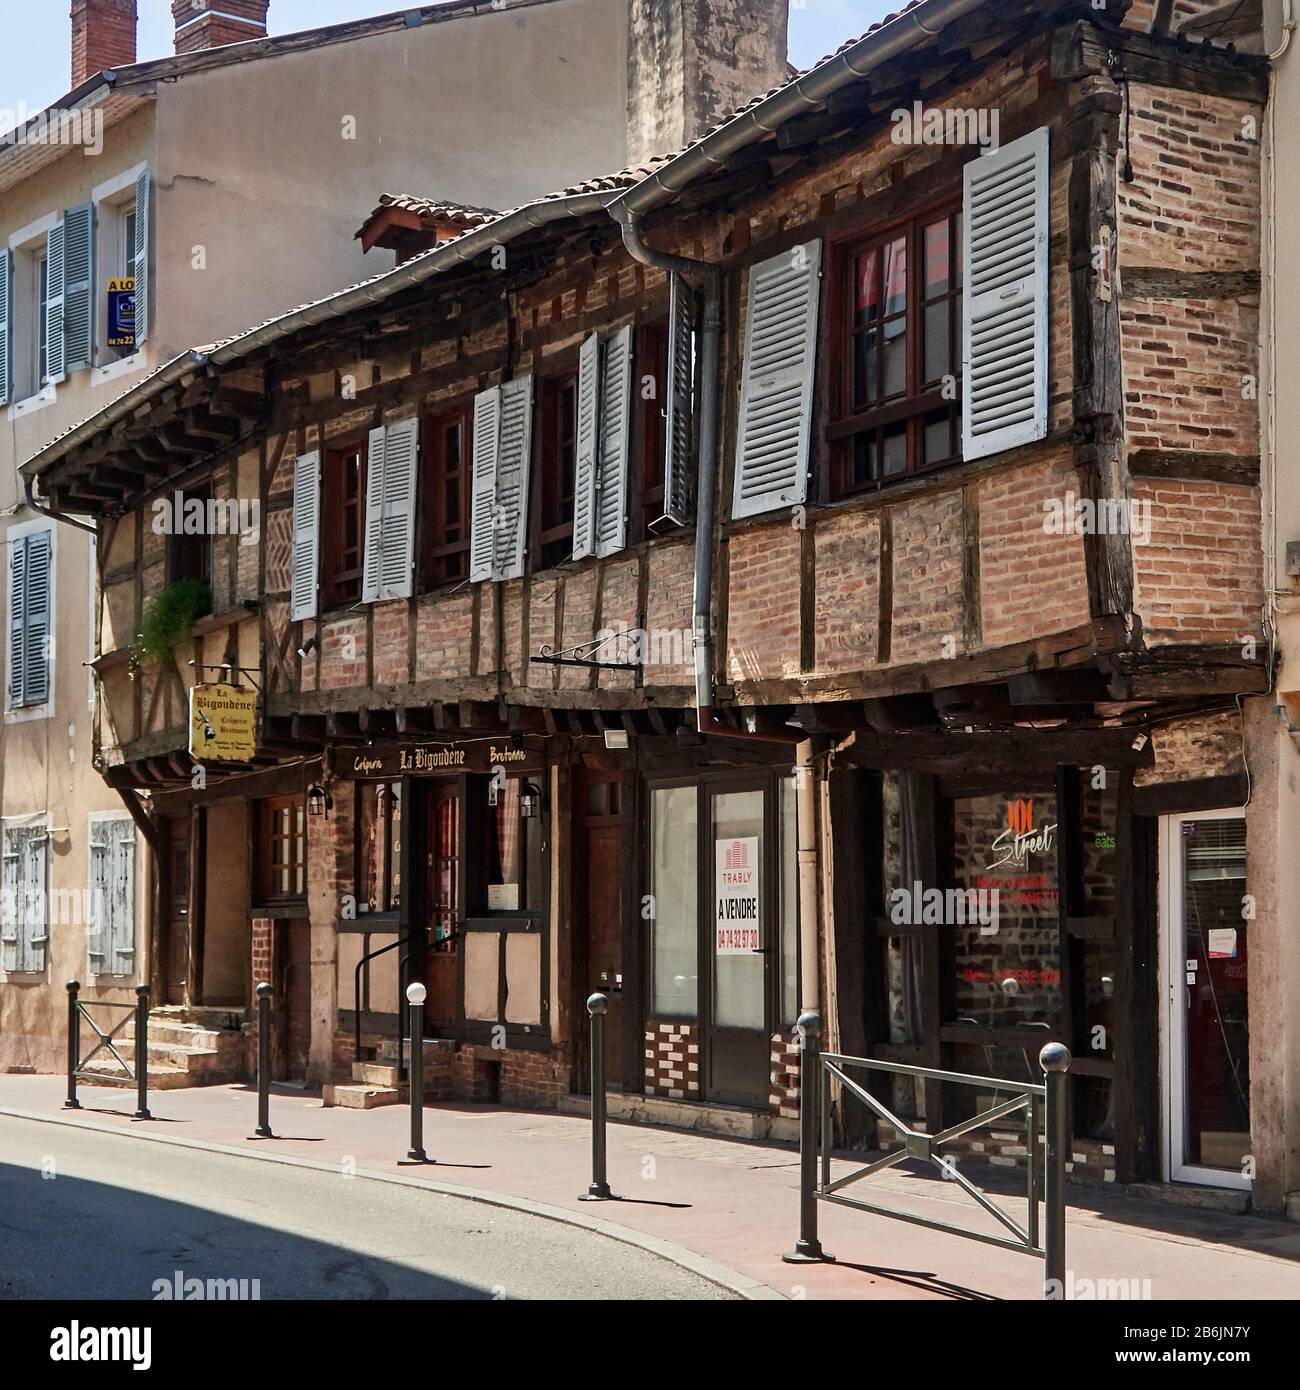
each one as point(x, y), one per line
point(223, 723)
point(121, 312)
point(735, 869)
point(388, 761)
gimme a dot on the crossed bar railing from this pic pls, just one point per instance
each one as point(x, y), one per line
point(78, 1066)
point(1043, 1104)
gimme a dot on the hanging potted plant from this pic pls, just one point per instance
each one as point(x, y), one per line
point(169, 618)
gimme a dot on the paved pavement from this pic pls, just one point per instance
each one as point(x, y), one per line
point(101, 1216)
point(730, 1201)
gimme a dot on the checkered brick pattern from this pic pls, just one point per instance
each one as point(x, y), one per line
point(784, 1096)
point(672, 1060)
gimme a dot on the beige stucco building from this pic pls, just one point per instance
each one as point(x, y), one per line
point(229, 182)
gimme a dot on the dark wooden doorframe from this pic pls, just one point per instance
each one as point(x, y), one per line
point(622, 1021)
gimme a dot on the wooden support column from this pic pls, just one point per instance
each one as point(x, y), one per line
point(196, 906)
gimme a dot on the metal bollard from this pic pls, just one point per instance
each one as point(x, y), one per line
point(264, 1061)
point(1055, 1061)
point(598, 1007)
point(142, 1053)
point(415, 996)
point(74, 1045)
point(808, 1247)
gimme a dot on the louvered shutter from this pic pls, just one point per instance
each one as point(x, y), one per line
point(79, 288)
point(36, 934)
point(1004, 318)
point(487, 443)
point(588, 448)
point(55, 243)
point(374, 517)
point(615, 436)
point(99, 923)
point(10, 903)
point(17, 620)
point(6, 326)
point(35, 612)
point(141, 258)
point(511, 502)
point(306, 536)
point(397, 523)
point(777, 384)
point(121, 916)
point(678, 408)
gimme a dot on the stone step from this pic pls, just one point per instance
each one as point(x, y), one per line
point(376, 1074)
point(360, 1097)
point(108, 1073)
point(204, 1061)
point(191, 1036)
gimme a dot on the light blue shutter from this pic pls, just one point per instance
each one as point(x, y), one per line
point(397, 520)
point(141, 258)
point(99, 923)
point(777, 384)
point(587, 447)
point(513, 459)
point(487, 446)
point(306, 536)
point(615, 438)
point(1004, 307)
point(79, 288)
point(17, 619)
point(36, 898)
point(54, 281)
point(678, 413)
point(373, 541)
point(120, 939)
point(36, 637)
point(10, 904)
point(6, 326)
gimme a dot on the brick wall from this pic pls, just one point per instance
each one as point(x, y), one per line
point(1208, 746)
point(783, 1098)
point(672, 1060)
point(927, 578)
point(847, 612)
point(763, 603)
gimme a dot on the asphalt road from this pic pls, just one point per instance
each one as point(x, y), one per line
point(89, 1215)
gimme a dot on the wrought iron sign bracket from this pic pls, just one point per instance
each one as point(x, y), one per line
point(584, 654)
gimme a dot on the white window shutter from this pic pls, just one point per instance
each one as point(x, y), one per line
point(79, 288)
point(6, 325)
point(374, 535)
point(17, 620)
point(1004, 306)
point(121, 934)
point(306, 536)
point(397, 523)
point(678, 412)
point(777, 383)
point(487, 446)
point(588, 448)
point(36, 841)
point(511, 494)
point(615, 438)
point(55, 243)
point(11, 907)
point(141, 258)
point(99, 923)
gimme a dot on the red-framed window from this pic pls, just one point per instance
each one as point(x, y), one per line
point(343, 530)
point(446, 486)
point(559, 460)
point(282, 848)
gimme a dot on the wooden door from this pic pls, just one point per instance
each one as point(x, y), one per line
point(603, 899)
point(176, 926)
point(442, 822)
point(296, 993)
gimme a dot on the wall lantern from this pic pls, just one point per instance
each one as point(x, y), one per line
point(530, 801)
point(319, 801)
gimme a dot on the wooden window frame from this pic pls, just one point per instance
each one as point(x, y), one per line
point(917, 400)
point(652, 425)
point(190, 556)
point(266, 810)
point(445, 538)
point(341, 585)
point(554, 520)
point(390, 911)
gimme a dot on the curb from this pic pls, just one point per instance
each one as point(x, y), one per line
point(743, 1286)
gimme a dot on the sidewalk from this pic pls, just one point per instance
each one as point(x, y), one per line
point(732, 1201)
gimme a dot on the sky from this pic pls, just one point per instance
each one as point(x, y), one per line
point(34, 57)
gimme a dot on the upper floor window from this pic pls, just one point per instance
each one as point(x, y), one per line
point(446, 486)
point(652, 377)
point(343, 524)
point(559, 467)
point(899, 410)
point(31, 580)
point(189, 551)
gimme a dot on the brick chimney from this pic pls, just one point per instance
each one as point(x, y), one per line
point(103, 37)
point(202, 24)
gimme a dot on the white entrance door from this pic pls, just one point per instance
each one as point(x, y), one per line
point(1204, 1004)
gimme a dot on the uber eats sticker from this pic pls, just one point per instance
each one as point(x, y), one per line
point(735, 867)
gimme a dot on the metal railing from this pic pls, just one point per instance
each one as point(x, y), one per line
point(1044, 1105)
point(356, 997)
point(78, 1066)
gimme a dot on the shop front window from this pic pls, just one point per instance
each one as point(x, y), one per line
point(379, 846)
point(674, 894)
point(513, 848)
point(738, 941)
